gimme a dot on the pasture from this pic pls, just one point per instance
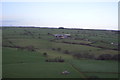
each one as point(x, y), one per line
point(26, 49)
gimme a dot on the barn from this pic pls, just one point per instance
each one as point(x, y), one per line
point(62, 36)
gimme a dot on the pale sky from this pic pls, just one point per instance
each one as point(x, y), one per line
point(86, 15)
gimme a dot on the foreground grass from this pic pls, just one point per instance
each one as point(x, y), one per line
point(25, 64)
point(97, 68)
point(19, 63)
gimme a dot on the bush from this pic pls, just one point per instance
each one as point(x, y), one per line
point(45, 54)
point(59, 49)
point(61, 28)
point(116, 57)
point(77, 56)
point(20, 48)
point(66, 52)
point(53, 49)
point(57, 59)
point(49, 33)
point(104, 57)
point(39, 37)
point(89, 56)
point(30, 48)
point(84, 55)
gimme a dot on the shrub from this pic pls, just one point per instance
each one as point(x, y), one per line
point(45, 54)
point(61, 28)
point(104, 57)
point(49, 33)
point(84, 55)
point(77, 55)
point(39, 37)
point(30, 48)
point(66, 52)
point(10, 42)
point(53, 49)
point(116, 57)
point(57, 59)
point(88, 55)
point(59, 49)
point(19, 48)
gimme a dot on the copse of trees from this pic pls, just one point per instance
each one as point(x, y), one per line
point(100, 57)
point(84, 55)
point(29, 48)
point(57, 49)
point(57, 59)
point(108, 57)
point(104, 57)
point(116, 57)
point(61, 28)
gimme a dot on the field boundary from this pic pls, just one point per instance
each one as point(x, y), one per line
point(102, 72)
point(87, 45)
point(81, 73)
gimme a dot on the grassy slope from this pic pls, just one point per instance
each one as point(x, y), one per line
point(0, 53)
point(47, 45)
point(33, 65)
point(27, 64)
point(18, 63)
point(96, 66)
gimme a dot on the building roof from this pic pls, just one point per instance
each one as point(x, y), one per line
point(61, 34)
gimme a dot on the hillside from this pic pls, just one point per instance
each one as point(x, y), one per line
point(85, 54)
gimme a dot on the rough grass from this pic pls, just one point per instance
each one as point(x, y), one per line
point(101, 75)
point(96, 65)
point(38, 70)
point(26, 64)
point(95, 68)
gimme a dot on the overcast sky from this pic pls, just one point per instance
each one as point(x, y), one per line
point(86, 15)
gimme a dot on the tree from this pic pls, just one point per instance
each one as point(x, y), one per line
point(45, 54)
point(104, 57)
point(57, 59)
point(77, 56)
point(39, 37)
point(53, 49)
point(61, 28)
point(30, 48)
point(66, 52)
point(116, 57)
point(59, 49)
point(84, 55)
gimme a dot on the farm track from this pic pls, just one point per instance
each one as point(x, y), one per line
point(81, 73)
point(103, 72)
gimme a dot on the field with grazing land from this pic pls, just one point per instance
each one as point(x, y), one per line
point(33, 52)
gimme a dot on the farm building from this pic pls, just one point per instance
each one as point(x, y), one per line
point(62, 36)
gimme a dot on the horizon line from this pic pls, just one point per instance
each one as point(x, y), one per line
point(59, 27)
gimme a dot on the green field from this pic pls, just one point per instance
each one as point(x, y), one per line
point(23, 53)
